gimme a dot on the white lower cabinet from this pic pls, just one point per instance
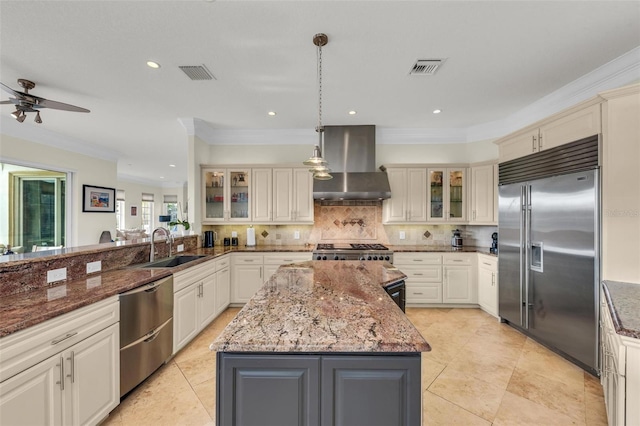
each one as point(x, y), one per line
point(438, 278)
point(223, 288)
point(620, 372)
point(247, 276)
point(424, 276)
point(273, 261)
point(78, 385)
point(194, 302)
point(488, 284)
point(250, 271)
point(458, 278)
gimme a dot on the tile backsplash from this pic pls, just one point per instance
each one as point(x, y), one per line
point(355, 221)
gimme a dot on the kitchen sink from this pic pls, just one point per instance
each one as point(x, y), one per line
point(171, 262)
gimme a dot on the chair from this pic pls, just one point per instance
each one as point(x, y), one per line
point(45, 248)
point(105, 237)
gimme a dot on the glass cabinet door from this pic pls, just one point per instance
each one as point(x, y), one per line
point(456, 194)
point(436, 196)
point(214, 195)
point(446, 195)
point(239, 193)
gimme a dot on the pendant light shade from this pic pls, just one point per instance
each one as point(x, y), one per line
point(316, 159)
point(322, 176)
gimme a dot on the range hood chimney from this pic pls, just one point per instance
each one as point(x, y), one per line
point(351, 154)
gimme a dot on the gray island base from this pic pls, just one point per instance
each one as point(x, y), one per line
point(321, 343)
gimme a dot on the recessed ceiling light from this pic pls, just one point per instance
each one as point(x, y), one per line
point(153, 65)
point(271, 113)
point(437, 111)
point(352, 112)
point(172, 165)
point(161, 177)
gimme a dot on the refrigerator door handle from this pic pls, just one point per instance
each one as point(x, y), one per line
point(527, 254)
point(523, 242)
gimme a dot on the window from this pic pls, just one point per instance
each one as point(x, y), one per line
point(120, 223)
point(146, 208)
point(171, 206)
point(36, 207)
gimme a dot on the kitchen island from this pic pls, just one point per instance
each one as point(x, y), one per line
point(321, 343)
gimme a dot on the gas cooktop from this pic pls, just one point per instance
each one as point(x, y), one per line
point(355, 251)
point(353, 246)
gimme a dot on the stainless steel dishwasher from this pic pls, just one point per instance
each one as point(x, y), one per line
point(146, 331)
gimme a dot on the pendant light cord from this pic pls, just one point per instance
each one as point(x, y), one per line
point(319, 129)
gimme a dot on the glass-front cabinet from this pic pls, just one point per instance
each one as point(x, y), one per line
point(446, 195)
point(227, 195)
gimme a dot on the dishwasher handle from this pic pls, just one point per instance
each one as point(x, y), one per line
point(147, 288)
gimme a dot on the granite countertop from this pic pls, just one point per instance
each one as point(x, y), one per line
point(441, 249)
point(24, 310)
point(37, 305)
point(325, 306)
point(623, 300)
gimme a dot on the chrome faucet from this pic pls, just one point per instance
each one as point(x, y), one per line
point(167, 235)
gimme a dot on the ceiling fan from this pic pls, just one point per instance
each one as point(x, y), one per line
point(26, 102)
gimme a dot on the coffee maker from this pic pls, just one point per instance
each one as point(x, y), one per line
point(494, 244)
point(456, 239)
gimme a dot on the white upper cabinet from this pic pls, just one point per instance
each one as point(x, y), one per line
point(484, 191)
point(408, 202)
point(226, 195)
point(571, 125)
point(262, 195)
point(257, 194)
point(447, 195)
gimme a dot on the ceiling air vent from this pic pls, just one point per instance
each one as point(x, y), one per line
point(426, 66)
point(197, 72)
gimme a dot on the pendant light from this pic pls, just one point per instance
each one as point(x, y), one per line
point(318, 164)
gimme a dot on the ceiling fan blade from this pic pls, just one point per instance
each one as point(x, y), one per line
point(46, 103)
point(6, 102)
point(10, 90)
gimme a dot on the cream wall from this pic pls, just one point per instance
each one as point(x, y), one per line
point(85, 228)
point(473, 152)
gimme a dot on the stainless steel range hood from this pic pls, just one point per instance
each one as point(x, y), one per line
point(351, 154)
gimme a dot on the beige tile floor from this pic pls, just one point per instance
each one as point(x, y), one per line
point(480, 372)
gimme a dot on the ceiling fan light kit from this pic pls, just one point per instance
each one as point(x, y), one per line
point(317, 163)
point(25, 102)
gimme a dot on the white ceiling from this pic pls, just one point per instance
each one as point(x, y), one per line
point(500, 57)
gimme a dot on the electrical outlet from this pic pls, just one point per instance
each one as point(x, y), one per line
point(56, 275)
point(94, 267)
point(234, 234)
point(403, 235)
point(180, 248)
point(296, 235)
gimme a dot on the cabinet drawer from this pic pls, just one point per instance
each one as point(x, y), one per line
point(488, 262)
point(28, 347)
point(457, 259)
point(193, 274)
point(417, 259)
point(422, 273)
point(424, 293)
point(242, 259)
point(222, 263)
point(284, 258)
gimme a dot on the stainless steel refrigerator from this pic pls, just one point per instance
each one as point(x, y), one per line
point(549, 263)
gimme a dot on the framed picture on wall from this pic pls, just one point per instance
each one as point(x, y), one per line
point(134, 210)
point(98, 199)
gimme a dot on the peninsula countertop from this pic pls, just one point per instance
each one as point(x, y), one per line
point(324, 306)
